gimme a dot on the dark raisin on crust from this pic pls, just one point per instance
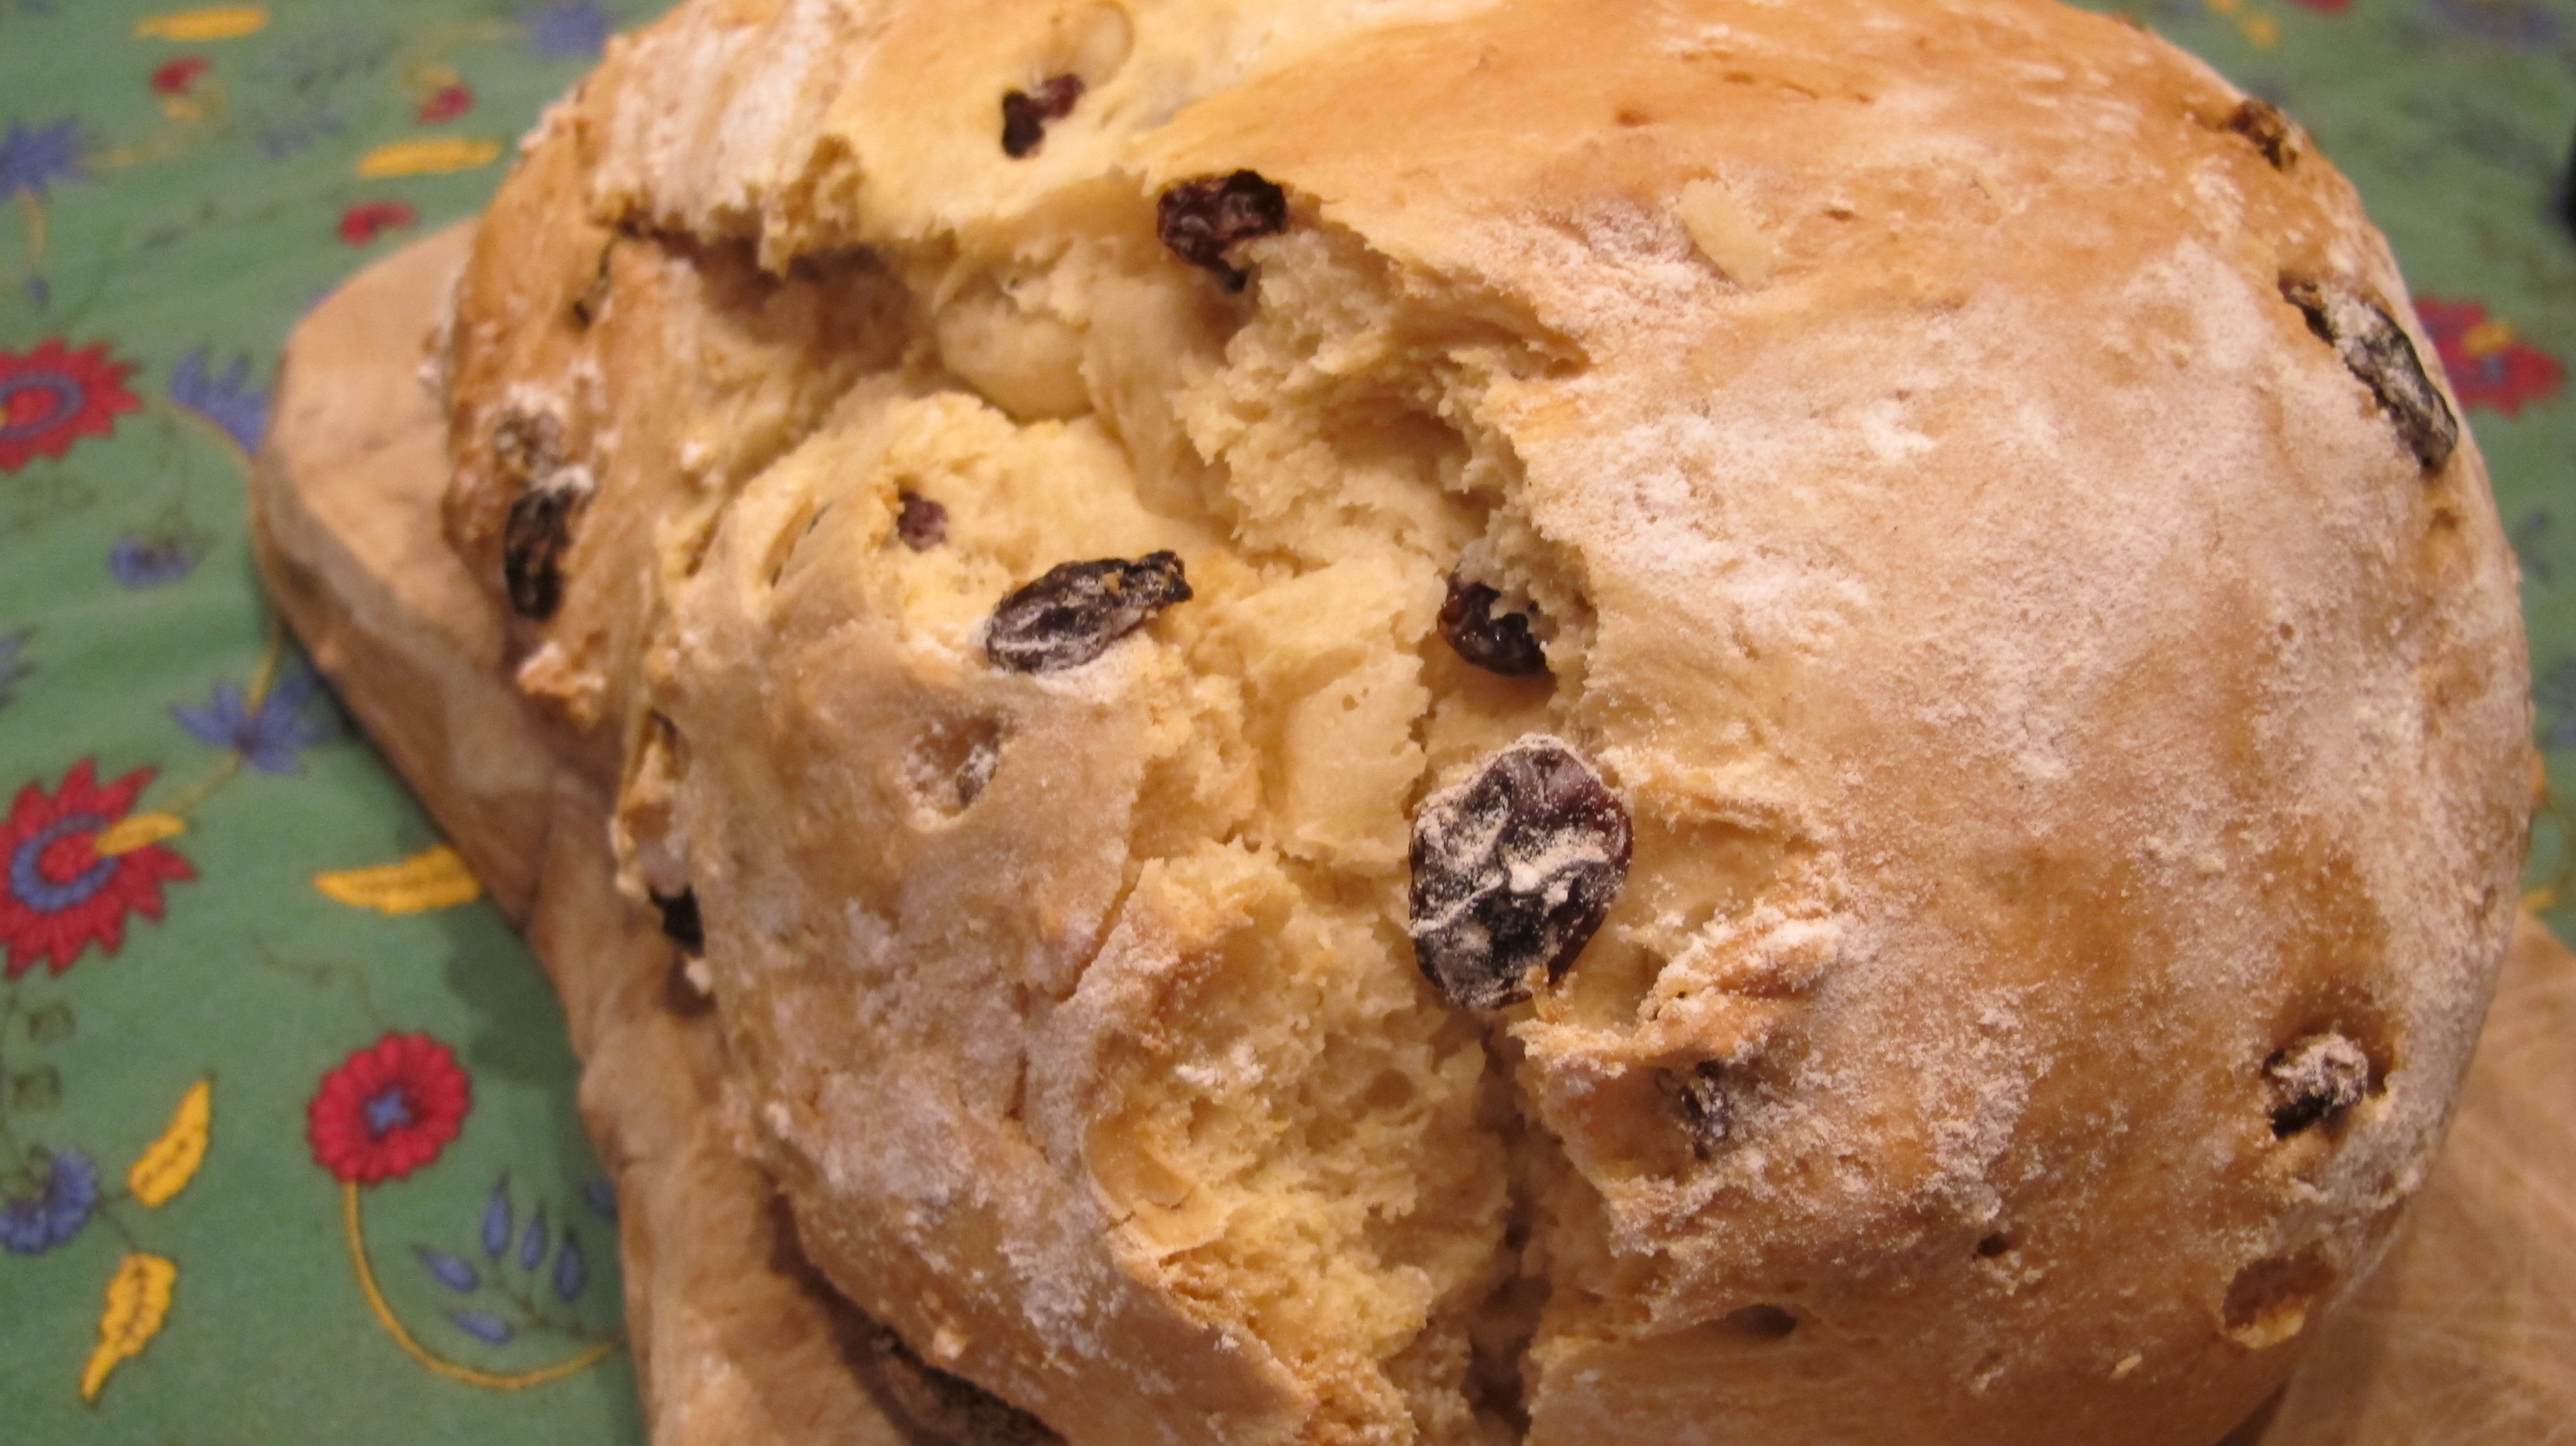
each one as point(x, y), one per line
point(976, 771)
point(532, 548)
point(1700, 1097)
point(680, 921)
point(1513, 871)
point(1025, 114)
point(2261, 122)
point(1071, 616)
point(922, 524)
point(2314, 1079)
point(1202, 219)
point(1496, 642)
point(2377, 350)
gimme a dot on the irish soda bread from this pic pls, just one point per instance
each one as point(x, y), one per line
point(1459, 720)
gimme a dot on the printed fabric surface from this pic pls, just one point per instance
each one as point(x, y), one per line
point(288, 1146)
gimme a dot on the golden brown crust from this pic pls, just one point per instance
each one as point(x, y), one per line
point(678, 367)
point(2048, 684)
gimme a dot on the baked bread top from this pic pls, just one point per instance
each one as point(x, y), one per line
point(1833, 746)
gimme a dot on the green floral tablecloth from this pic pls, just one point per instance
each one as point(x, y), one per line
point(288, 1150)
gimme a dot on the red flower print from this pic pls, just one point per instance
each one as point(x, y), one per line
point(362, 223)
point(388, 1109)
point(449, 102)
point(2487, 366)
point(59, 896)
point(53, 396)
point(179, 76)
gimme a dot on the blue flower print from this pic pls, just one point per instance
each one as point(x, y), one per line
point(484, 1326)
point(532, 1243)
point(227, 400)
point(271, 737)
point(2555, 691)
point(572, 1272)
point(496, 1219)
point(151, 560)
point(529, 1280)
point(567, 29)
point(55, 1211)
point(33, 159)
point(455, 1272)
point(2515, 24)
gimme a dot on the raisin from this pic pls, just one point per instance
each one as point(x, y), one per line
point(1707, 1111)
point(1513, 871)
point(977, 770)
point(535, 538)
point(680, 921)
point(1071, 616)
point(1201, 220)
point(1496, 642)
point(922, 524)
point(2378, 351)
point(1025, 116)
point(2261, 122)
point(2314, 1079)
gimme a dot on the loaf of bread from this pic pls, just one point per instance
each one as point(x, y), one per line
point(1464, 721)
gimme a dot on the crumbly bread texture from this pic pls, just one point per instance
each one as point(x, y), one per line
point(2045, 655)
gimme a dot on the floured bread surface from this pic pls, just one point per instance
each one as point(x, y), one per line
point(1885, 583)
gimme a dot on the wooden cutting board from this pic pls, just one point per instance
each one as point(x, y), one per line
point(735, 1342)
point(2465, 1337)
